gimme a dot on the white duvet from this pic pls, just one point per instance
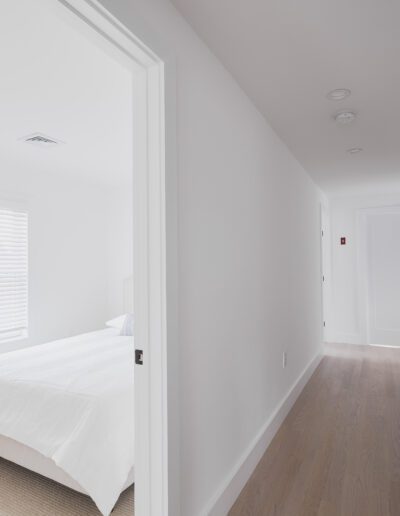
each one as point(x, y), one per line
point(72, 401)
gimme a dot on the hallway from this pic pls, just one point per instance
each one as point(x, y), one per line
point(338, 451)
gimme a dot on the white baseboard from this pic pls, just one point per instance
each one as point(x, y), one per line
point(227, 494)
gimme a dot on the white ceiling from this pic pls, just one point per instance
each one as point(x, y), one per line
point(57, 82)
point(288, 54)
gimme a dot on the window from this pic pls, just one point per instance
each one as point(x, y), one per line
point(13, 274)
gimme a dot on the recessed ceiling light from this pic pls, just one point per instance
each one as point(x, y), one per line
point(345, 117)
point(338, 94)
point(354, 150)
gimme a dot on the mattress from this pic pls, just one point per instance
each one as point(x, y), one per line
point(70, 404)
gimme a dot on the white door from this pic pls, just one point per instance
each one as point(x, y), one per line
point(383, 271)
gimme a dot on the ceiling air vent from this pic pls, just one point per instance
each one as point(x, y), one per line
point(41, 140)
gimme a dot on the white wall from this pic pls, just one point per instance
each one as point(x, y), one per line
point(71, 271)
point(119, 248)
point(249, 258)
point(348, 294)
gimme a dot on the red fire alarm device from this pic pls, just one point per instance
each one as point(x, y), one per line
point(343, 241)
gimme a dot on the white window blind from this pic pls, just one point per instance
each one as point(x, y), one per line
point(13, 274)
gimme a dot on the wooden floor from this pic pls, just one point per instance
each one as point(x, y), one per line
point(338, 451)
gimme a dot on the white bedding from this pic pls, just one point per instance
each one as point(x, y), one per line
point(72, 401)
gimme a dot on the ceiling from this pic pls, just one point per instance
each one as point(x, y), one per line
point(57, 82)
point(288, 54)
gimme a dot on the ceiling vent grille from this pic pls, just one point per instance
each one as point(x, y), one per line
point(41, 140)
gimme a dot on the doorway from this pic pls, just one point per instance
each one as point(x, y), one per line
point(381, 246)
point(152, 439)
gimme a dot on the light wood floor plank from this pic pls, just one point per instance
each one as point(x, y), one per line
point(338, 451)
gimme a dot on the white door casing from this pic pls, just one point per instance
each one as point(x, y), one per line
point(155, 262)
point(325, 273)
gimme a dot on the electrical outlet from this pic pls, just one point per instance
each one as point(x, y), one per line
point(284, 359)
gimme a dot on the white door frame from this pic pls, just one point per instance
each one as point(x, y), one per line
point(155, 218)
point(362, 275)
point(326, 275)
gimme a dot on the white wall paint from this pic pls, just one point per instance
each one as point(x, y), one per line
point(119, 219)
point(71, 266)
point(249, 259)
point(348, 279)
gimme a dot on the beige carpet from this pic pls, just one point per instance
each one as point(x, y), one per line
point(23, 493)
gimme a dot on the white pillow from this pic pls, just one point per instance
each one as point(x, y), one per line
point(127, 328)
point(117, 322)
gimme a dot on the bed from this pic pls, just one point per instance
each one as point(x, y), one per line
point(67, 412)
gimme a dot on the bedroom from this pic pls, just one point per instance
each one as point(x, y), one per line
point(66, 268)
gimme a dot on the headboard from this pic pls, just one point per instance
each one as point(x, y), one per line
point(128, 294)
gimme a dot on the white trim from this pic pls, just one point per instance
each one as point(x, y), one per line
point(228, 492)
point(361, 278)
point(325, 273)
point(107, 31)
point(172, 288)
point(152, 460)
point(322, 266)
point(383, 346)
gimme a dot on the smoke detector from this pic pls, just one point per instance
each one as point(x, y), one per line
point(41, 140)
point(354, 150)
point(345, 117)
